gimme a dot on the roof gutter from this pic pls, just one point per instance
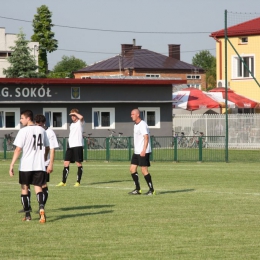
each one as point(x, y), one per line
point(220, 56)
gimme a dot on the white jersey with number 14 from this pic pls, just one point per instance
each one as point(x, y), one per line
point(32, 139)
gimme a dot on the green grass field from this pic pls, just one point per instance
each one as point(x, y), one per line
point(201, 211)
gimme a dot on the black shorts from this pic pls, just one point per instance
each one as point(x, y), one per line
point(47, 176)
point(141, 161)
point(74, 154)
point(36, 178)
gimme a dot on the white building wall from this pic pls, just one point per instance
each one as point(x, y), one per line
point(8, 40)
point(2, 38)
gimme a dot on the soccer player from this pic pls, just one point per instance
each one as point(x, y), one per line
point(40, 120)
point(74, 152)
point(31, 140)
point(141, 156)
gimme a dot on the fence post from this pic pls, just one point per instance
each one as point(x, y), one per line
point(64, 147)
point(85, 149)
point(5, 148)
point(129, 148)
point(175, 149)
point(200, 149)
point(107, 149)
point(151, 155)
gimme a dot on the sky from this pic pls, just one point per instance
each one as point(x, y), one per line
point(93, 30)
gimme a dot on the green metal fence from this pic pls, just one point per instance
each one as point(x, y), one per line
point(167, 148)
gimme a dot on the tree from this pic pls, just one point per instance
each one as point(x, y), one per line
point(66, 67)
point(22, 62)
point(204, 59)
point(42, 25)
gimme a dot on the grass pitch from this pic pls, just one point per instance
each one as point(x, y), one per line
point(201, 211)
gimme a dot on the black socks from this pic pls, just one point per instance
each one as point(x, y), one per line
point(46, 194)
point(25, 200)
point(79, 175)
point(65, 174)
point(136, 180)
point(148, 179)
point(40, 200)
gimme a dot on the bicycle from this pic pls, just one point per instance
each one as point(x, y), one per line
point(9, 142)
point(182, 141)
point(122, 142)
point(116, 142)
point(92, 142)
point(155, 143)
point(194, 140)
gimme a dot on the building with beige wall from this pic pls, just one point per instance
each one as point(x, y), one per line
point(243, 43)
point(7, 40)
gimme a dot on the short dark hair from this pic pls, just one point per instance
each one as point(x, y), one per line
point(28, 113)
point(40, 119)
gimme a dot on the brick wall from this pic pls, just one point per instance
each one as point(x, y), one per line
point(177, 74)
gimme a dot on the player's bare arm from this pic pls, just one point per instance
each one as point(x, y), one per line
point(146, 140)
point(50, 166)
point(79, 116)
point(16, 155)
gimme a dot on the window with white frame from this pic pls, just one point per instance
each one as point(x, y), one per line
point(193, 76)
point(9, 118)
point(56, 117)
point(243, 40)
point(151, 115)
point(240, 67)
point(152, 75)
point(103, 118)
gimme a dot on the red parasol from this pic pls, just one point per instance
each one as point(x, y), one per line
point(240, 101)
point(192, 99)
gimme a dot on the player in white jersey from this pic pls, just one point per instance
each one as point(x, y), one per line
point(31, 140)
point(141, 156)
point(74, 152)
point(40, 120)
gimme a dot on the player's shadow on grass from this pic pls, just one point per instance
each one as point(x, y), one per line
point(81, 214)
point(176, 191)
point(85, 207)
point(57, 218)
point(106, 182)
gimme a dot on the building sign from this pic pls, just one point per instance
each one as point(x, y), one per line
point(75, 93)
point(26, 92)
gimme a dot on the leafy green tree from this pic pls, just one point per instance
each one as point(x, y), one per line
point(42, 25)
point(204, 59)
point(22, 62)
point(66, 67)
